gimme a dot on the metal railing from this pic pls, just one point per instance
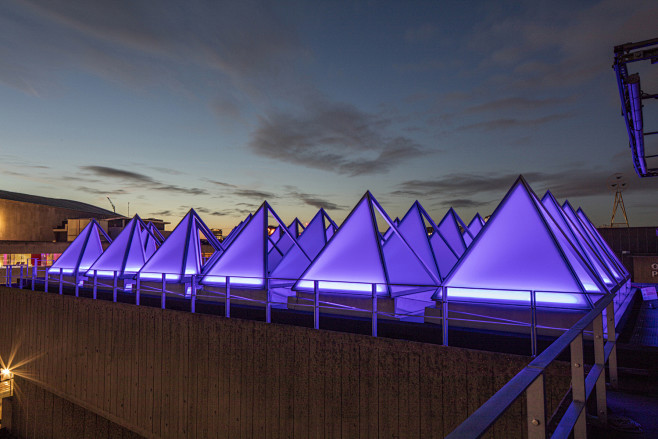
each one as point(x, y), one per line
point(531, 382)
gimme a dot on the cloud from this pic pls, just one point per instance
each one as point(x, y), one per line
point(221, 183)
point(162, 213)
point(315, 200)
point(511, 122)
point(102, 192)
point(138, 44)
point(250, 193)
point(334, 137)
point(515, 103)
point(421, 33)
point(144, 181)
point(210, 212)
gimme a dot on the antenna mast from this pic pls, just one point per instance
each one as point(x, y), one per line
point(618, 183)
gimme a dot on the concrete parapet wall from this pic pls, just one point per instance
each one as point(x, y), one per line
point(171, 374)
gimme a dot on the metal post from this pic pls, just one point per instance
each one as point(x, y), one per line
point(193, 287)
point(374, 310)
point(578, 386)
point(7, 275)
point(316, 304)
point(533, 323)
point(599, 360)
point(95, 283)
point(61, 279)
point(227, 304)
point(20, 277)
point(10, 277)
point(114, 287)
point(163, 297)
point(34, 275)
point(77, 285)
point(137, 286)
point(444, 315)
point(612, 338)
point(45, 281)
point(268, 305)
point(535, 409)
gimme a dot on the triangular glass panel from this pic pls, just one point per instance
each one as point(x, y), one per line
point(82, 252)
point(449, 228)
point(126, 254)
point(515, 251)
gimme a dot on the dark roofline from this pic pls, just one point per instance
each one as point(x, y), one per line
point(55, 202)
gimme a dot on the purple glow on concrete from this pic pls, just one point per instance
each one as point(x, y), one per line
point(517, 251)
point(83, 251)
point(520, 297)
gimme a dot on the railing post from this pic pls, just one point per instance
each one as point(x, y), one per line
point(45, 281)
point(114, 287)
point(612, 338)
point(316, 304)
point(77, 285)
point(268, 305)
point(444, 315)
point(374, 310)
point(227, 303)
point(9, 277)
point(578, 386)
point(599, 360)
point(193, 298)
point(137, 287)
point(163, 297)
point(20, 277)
point(61, 279)
point(533, 323)
point(535, 409)
point(34, 274)
point(95, 284)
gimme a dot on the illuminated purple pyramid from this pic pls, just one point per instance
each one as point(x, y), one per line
point(577, 240)
point(522, 249)
point(152, 239)
point(179, 257)
point(246, 260)
point(596, 236)
point(432, 249)
point(355, 259)
point(279, 242)
point(609, 262)
point(127, 253)
point(82, 252)
point(473, 229)
point(449, 228)
point(312, 240)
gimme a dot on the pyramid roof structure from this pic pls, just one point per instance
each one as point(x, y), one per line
point(449, 228)
point(280, 242)
point(247, 260)
point(127, 253)
point(523, 249)
point(82, 252)
point(432, 249)
point(179, 257)
point(355, 258)
point(312, 240)
point(473, 229)
point(594, 233)
point(610, 263)
point(573, 234)
point(152, 239)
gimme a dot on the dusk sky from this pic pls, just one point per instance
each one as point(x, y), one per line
point(220, 105)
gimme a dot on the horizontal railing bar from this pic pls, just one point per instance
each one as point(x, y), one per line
point(592, 377)
point(569, 420)
point(482, 419)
